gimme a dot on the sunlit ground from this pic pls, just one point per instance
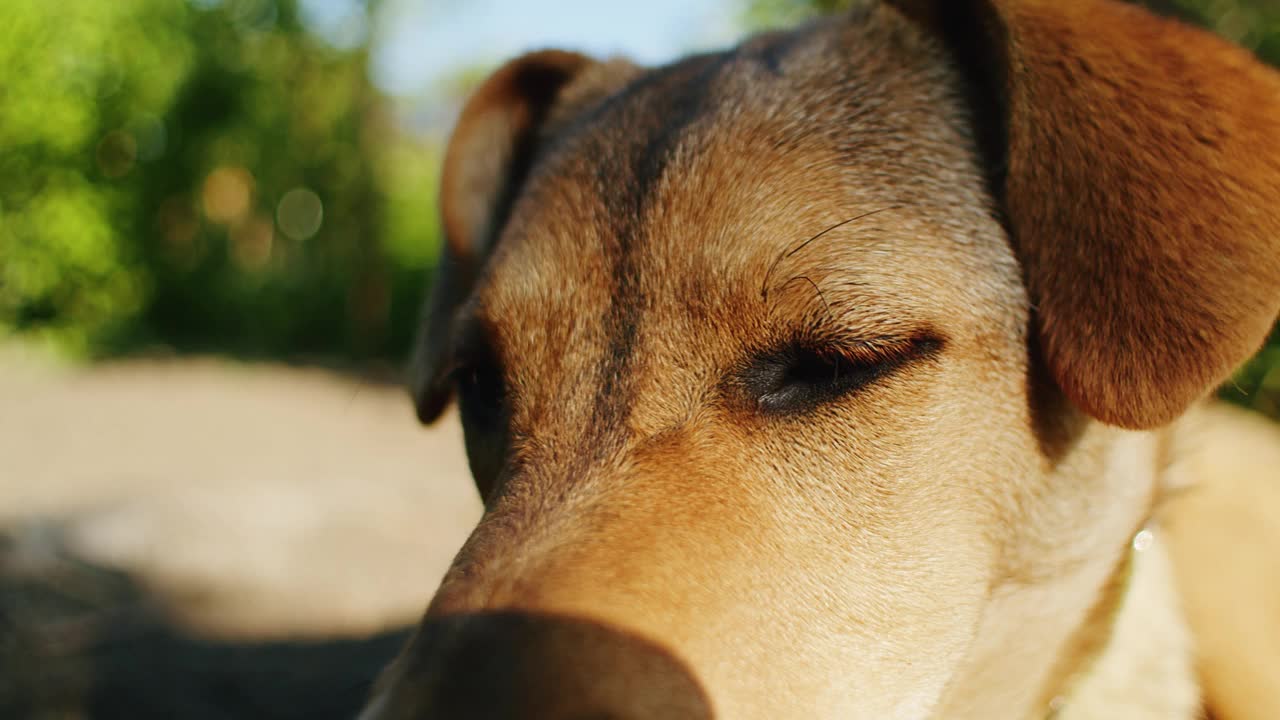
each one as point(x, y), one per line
point(244, 504)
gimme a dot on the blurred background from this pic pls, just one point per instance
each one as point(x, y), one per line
point(217, 219)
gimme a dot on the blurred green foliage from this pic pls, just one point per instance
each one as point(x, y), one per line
point(206, 176)
point(1255, 24)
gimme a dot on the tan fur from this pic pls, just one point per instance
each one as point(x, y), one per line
point(1145, 670)
point(649, 276)
point(1223, 530)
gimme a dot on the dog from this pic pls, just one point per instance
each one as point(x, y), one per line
point(857, 372)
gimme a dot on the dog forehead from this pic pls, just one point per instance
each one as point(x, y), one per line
point(727, 156)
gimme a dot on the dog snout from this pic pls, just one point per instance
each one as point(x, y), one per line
point(501, 665)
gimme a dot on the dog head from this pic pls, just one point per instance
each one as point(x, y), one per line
point(803, 379)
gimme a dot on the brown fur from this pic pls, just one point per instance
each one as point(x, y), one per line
point(1002, 229)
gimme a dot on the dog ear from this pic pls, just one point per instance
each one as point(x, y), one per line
point(486, 162)
point(1137, 161)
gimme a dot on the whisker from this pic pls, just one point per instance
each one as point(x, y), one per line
point(764, 287)
point(816, 289)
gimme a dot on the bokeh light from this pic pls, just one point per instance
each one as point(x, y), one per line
point(227, 193)
point(251, 243)
point(300, 213)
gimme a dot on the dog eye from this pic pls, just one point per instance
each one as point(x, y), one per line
point(483, 407)
point(800, 378)
point(481, 393)
point(803, 376)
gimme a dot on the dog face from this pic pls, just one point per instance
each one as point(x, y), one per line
point(789, 374)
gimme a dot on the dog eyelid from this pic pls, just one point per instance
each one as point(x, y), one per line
point(808, 372)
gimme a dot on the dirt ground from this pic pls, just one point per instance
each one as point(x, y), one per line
point(204, 538)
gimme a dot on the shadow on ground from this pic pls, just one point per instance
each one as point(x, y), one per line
point(81, 640)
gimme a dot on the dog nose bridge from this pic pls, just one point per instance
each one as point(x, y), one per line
point(510, 665)
point(606, 540)
point(541, 555)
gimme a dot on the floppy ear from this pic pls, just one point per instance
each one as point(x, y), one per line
point(1138, 164)
point(489, 154)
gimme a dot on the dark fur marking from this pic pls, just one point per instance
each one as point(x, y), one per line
point(674, 97)
point(540, 85)
point(967, 32)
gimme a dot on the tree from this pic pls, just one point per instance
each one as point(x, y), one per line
point(204, 175)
